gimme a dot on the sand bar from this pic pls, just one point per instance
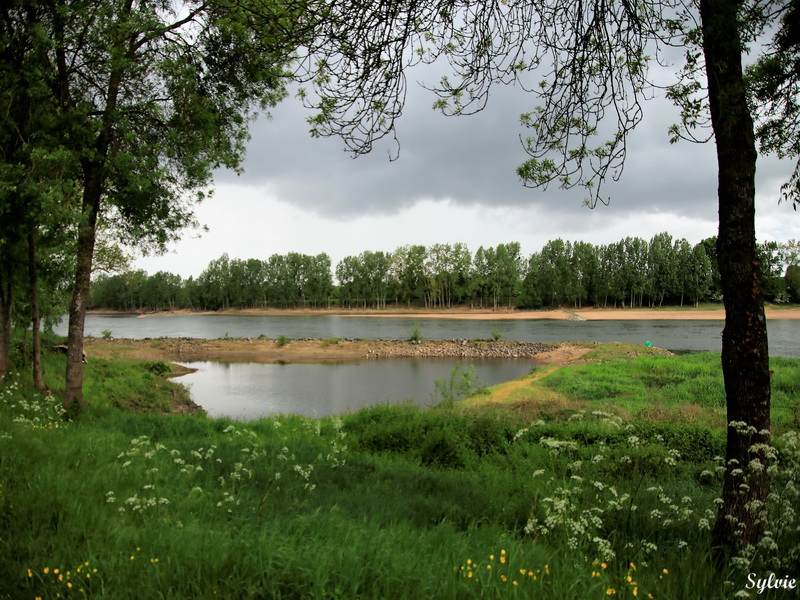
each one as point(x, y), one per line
point(581, 314)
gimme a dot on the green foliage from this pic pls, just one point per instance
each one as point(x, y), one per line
point(157, 367)
point(416, 334)
point(425, 499)
point(106, 333)
point(639, 382)
point(632, 272)
point(282, 340)
point(462, 384)
point(497, 335)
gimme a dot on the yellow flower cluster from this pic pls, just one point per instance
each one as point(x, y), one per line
point(630, 580)
point(472, 570)
point(75, 579)
point(63, 583)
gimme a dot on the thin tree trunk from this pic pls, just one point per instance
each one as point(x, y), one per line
point(745, 356)
point(38, 380)
point(73, 389)
point(5, 323)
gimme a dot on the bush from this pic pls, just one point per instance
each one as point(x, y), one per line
point(157, 367)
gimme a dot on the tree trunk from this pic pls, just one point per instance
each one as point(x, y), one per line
point(745, 356)
point(73, 390)
point(38, 380)
point(5, 323)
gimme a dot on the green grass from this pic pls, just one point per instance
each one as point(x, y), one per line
point(649, 385)
point(389, 502)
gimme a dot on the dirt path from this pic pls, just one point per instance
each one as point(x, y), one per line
point(552, 360)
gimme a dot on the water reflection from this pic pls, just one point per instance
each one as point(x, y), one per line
point(247, 391)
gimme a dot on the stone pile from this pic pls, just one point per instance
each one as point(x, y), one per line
point(456, 349)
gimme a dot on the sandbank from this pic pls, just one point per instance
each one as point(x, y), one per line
point(581, 314)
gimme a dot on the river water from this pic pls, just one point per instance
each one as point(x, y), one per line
point(247, 391)
point(677, 336)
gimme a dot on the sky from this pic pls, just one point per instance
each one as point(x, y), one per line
point(454, 181)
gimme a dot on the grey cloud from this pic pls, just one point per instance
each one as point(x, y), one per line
point(469, 160)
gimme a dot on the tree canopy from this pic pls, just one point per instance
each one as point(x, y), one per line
point(140, 101)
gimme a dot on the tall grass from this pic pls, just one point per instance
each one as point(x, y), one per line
point(389, 502)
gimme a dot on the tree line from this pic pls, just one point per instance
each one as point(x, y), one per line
point(630, 273)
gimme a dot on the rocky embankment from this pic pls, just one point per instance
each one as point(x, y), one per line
point(456, 349)
point(307, 350)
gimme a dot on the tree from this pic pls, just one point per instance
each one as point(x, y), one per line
point(774, 80)
point(148, 98)
point(793, 282)
point(408, 272)
point(661, 268)
point(700, 274)
point(587, 62)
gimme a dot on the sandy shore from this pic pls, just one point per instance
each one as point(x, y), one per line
point(586, 314)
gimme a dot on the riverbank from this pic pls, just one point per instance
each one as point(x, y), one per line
point(705, 312)
point(478, 500)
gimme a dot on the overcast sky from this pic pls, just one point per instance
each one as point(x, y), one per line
point(454, 181)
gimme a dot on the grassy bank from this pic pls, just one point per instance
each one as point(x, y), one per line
point(594, 494)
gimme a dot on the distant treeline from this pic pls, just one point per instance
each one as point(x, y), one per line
point(630, 273)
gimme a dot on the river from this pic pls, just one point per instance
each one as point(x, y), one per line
point(247, 391)
point(675, 335)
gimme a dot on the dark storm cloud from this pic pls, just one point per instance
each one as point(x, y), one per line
point(471, 160)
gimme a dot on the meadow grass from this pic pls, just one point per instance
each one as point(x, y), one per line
point(464, 501)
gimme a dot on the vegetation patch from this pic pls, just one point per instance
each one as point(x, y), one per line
point(467, 500)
